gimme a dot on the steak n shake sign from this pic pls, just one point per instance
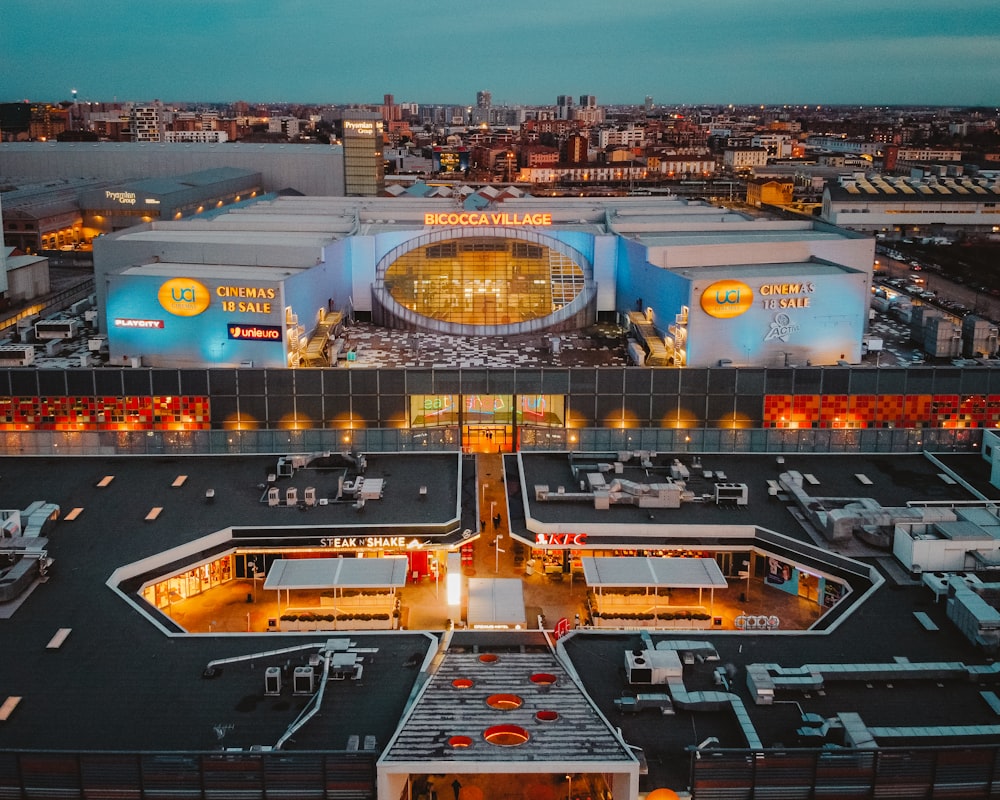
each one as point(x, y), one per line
point(362, 542)
point(473, 218)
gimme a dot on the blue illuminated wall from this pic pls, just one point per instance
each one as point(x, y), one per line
point(164, 339)
point(796, 315)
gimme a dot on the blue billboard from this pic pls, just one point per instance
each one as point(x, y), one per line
point(187, 321)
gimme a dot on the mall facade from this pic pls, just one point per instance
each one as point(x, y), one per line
point(223, 334)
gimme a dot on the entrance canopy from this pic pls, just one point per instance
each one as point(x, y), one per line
point(496, 603)
point(337, 573)
point(673, 573)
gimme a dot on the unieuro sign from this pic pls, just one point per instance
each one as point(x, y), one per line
point(184, 297)
point(254, 332)
point(726, 299)
point(482, 218)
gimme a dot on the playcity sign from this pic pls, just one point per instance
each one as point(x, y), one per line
point(473, 218)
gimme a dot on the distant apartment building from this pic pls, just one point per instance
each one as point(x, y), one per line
point(558, 127)
point(778, 145)
point(592, 173)
point(577, 149)
point(673, 165)
point(564, 106)
point(842, 144)
point(539, 155)
point(899, 158)
point(146, 123)
point(844, 160)
point(47, 122)
point(289, 126)
point(588, 112)
point(626, 136)
point(737, 158)
point(588, 116)
point(201, 137)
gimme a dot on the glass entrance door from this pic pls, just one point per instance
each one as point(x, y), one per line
point(488, 438)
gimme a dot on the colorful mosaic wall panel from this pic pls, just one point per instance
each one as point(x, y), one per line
point(105, 413)
point(881, 411)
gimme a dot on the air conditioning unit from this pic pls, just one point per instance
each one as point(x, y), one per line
point(272, 680)
point(302, 680)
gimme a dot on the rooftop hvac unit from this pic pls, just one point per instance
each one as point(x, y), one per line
point(652, 666)
point(291, 496)
point(17, 355)
point(309, 495)
point(272, 680)
point(273, 496)
point(302, 680)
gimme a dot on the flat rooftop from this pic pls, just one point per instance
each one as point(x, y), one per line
point(120, 683)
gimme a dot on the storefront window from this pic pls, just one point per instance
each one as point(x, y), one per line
point(433, 410)
point(541, 409)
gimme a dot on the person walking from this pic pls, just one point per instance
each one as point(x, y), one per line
point(456, 787)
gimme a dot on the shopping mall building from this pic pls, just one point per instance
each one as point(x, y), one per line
point(229, 334)
point(711, 286)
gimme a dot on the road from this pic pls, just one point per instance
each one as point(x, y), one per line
point(982, 303)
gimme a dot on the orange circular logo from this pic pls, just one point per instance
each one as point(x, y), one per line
point(726, 299)
point(184, 297)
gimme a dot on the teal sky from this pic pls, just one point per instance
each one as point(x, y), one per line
point(863, 52)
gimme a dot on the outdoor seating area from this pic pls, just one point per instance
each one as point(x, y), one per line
point(641, 609)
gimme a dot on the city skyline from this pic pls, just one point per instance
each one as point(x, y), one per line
point(680, 53)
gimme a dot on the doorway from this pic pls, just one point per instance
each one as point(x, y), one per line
point(488, 438)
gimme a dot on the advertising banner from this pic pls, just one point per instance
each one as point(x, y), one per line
point(189, 321)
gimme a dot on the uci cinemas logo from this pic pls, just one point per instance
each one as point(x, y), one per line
point(726, 299)
point(184, 297)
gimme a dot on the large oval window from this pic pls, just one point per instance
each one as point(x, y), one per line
point(484, 280)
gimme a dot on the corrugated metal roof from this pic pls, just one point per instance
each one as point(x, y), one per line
point(577, 734)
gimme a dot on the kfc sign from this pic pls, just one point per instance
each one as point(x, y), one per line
point(561, 539)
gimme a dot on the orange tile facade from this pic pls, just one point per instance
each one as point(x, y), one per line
point(881, 411)
point(105, 413)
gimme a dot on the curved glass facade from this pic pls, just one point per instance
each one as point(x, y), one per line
point(484, 280)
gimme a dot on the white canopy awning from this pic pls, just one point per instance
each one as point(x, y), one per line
point(674, 573)
point(496, 603)
point(337, 573)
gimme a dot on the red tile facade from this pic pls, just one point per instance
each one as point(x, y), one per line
point(104, 413)
point(881, 411)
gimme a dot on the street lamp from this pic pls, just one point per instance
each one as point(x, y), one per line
point(746, 571)
point(496, 546)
